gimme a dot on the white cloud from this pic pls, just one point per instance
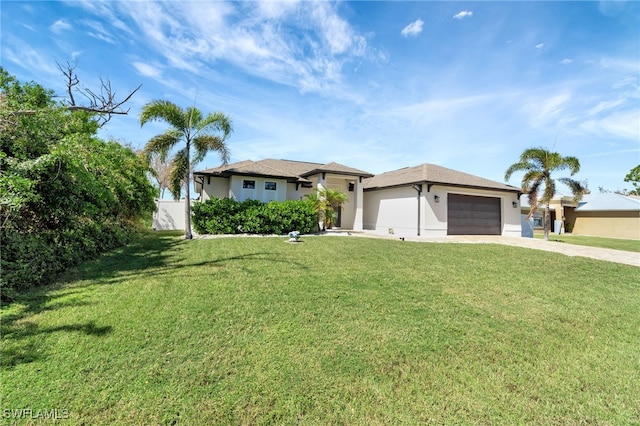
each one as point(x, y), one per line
point(463, 14)
point(148, 70)
point(618, 124)
point(413, 29)
point(548, 110)
point(539, 46)
point(566, 61)
point(60, 25)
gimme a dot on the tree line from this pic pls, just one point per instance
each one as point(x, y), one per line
point(65, 194)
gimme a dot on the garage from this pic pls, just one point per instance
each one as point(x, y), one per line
point(473, 215)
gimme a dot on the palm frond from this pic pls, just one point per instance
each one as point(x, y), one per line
point(162, 144)
point(577, 189)
point(216, 122)
point(193, 116)
point(178, 174)
point(573, 164)
point(205, 143)
point(160, 110)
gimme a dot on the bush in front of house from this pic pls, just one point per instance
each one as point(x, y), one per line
point(227, 216)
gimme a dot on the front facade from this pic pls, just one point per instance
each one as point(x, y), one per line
point(426, 200)
point(280, 180)
point(434, 201)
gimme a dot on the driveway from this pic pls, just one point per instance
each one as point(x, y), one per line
point(618, 256)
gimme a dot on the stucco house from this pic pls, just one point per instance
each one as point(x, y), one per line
point(605, 215)
point(281, 180)
point(425, 200)
point(434, 201)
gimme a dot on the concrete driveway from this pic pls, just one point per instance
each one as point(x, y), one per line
point(618, 256)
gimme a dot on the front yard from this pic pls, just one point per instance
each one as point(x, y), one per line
point(331, 330)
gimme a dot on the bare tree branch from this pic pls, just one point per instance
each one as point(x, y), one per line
point(103, 104)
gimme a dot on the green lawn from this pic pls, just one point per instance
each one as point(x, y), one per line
point(611, 243)
point(332, 330)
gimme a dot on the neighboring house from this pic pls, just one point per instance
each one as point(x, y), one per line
point(434, 201)
point(280, 180)
point(605, 215)
point(557, 207)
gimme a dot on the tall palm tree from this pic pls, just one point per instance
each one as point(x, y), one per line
point(538, 164)
point(198, 133)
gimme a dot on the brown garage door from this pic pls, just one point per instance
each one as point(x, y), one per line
point(469, 215)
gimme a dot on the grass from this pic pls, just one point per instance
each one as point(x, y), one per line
point(332, 330)
point(601, 242)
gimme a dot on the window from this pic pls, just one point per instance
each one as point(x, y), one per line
point(270, 186)
point(249, 184)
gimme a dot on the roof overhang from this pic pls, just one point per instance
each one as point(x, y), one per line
point(429, 184)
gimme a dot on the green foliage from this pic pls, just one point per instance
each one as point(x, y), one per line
point(200, 134)
point(326, 202)
point(634, 177)
point(538, 164)
point(227, 216)
point(65, 195)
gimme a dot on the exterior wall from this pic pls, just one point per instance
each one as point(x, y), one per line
point(217, 187)
point(169, 215)
point(613, 224)
point(259, 192)
point(298, 194)
point(392, 211)
point(395, 210)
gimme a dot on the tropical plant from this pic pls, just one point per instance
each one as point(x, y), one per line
point(634, 177)
point(327, 201)
point(198, 133)
point(537, 165)
point(65, 194)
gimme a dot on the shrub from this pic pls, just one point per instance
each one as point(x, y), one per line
point(227, 216)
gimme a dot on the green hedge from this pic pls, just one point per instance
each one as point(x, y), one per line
point(32, 258)
point(227, 216)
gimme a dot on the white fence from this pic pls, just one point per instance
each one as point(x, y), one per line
point(169, 215)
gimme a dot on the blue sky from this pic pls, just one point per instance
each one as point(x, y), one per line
point(374, 85)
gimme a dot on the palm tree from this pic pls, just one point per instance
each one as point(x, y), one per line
point(538, 164)
point(196, 132)
point(326, 202)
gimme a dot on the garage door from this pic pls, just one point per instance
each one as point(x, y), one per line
point(469, 215)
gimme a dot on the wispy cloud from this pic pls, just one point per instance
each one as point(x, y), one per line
point(463, 14)
point(413, 29)
point(304, 45)
point(59, 26)
point(539, 45)
point(148, 70)
point(566, 61)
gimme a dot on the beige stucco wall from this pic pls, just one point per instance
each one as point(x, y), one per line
point(395, 210)
point(612, 224)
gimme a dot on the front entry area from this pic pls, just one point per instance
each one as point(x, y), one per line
point(473, 215)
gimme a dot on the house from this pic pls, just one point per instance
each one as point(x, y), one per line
point(557, 207)
point(605, 215)
point(280, 180)
point(433, 201)
point(425, 200)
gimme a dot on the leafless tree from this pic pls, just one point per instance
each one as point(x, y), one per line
point(103, 103)
point(161, 171)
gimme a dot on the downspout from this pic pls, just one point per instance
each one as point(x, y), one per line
point(418, 189)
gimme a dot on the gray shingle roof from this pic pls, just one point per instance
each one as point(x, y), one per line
point(432, 174)
point(291, 170)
